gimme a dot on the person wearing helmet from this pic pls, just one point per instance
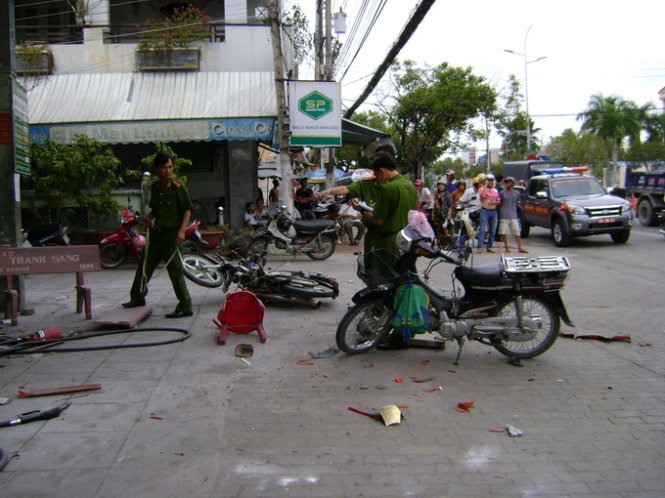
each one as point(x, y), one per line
point(451, 184)
point(489, 214)
point(441, 213)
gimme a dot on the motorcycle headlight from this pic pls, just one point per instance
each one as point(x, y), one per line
point(403, 241)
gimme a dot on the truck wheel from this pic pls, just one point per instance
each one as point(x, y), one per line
point(620, 237)
point(645, 213)
point(559, 235)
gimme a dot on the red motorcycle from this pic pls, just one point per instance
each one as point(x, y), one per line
point(115, 248)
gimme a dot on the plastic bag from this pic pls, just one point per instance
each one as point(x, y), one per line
point(418, 222)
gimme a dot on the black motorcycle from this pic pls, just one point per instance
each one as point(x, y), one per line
point(291, 287)
point(49, 234)
point(315, 238)
point(514, 305)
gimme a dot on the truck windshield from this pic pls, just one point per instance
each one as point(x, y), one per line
point(574, 187)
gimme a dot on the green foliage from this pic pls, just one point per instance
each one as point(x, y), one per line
point(178, 163)
point(433, 110)
point(297, 30)
point(577, 149)
point(85, 172)
point(183, 27)
point(511, 123)
point(612, 119)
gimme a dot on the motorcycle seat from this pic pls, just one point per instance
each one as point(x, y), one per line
point(487, 275)
point(313, 226)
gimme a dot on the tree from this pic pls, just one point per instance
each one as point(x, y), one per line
point(612, 119)
point(512, 123)
point(85, 172)
point(577, 148)
point(433, 110)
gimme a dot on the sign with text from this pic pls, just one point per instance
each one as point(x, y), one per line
point(60, 259)
point(315, 109)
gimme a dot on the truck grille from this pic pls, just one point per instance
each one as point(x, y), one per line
point(603, 211)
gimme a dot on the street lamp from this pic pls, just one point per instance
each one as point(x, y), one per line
point(526, 86)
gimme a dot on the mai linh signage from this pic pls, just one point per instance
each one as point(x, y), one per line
point(316, 113)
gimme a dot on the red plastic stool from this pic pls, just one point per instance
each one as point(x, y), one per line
point(242, 313)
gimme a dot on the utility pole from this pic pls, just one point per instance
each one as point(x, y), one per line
point(325, 64)
point(286, 187)
point(10, 212)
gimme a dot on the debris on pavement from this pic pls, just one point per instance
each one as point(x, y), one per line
point(464, 406)
point(390, 414)
point(58, 390)
point(304, 362)
point(327, 353)
point(421, 379)
point(433, 389)
point(399, 380)
point(616, 338)
point(4, 401)
point(513, 431)
point(497, 429)
point(516, 362)
point(244, 350)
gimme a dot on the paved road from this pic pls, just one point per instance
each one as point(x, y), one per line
point(193, 420)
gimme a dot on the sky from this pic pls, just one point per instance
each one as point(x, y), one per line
point(608, 47)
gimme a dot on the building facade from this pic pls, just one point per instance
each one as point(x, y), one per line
point(212, 102)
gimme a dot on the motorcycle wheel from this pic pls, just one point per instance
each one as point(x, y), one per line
point(257, 246)
point(304, 287)
point(325, 248)
point(112, 255)
point(364, 326)
point(190, 247)
point(541, 340)
point(202, 270)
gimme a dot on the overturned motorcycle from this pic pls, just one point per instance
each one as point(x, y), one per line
point(514, 305)
point(290, 287)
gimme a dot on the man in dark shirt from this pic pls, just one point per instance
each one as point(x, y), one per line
point(304, 198)
point(170, 211)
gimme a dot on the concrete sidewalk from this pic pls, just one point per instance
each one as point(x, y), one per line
point(191, 419)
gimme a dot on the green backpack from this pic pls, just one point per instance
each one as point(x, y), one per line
point(411, 310)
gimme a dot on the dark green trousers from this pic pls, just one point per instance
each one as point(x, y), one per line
point(161, 247)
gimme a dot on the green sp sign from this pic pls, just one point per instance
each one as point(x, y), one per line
point(315, 105)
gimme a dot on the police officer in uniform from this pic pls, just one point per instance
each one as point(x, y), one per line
point(170, 212)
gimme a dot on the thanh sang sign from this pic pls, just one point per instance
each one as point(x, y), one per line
point(315, 108)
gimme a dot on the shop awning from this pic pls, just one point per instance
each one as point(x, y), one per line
point(149, 107)
point(358, 134)
point(169, 107)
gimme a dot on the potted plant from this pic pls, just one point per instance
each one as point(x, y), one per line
point(166, 44)
point(215, 235)
point(33, 60)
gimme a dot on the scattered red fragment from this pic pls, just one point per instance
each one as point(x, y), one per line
point(239, 449)
point(464, 406)
point(399, 380)
point(157, 418)
point(305, 362)
point(616, 338)
point(452, 370)
point(496, 429)
point(425, 362)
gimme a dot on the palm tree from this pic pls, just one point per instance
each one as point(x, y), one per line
point(577, 148)
point(613, 119)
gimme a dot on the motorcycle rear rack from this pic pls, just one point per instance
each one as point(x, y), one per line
point(539, 264)
point(537, 273)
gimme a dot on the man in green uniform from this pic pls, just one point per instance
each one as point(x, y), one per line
point(170, 211)
point(394, 199)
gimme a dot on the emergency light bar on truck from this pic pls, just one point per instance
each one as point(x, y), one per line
point(565, 169)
